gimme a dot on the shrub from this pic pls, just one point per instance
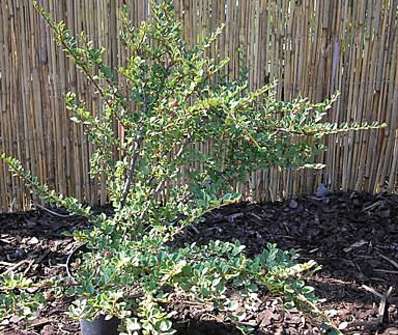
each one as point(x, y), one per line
point(169, 98)
point(18, 297)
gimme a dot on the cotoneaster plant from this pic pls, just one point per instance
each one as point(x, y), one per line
point(169, 98)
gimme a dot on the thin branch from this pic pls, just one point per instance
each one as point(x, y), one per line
point(131, 171)
point(134, 159)
point(70, 51)
point(161, 184)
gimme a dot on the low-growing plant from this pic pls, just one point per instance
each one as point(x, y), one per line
point(169, 99)
point(18, 297)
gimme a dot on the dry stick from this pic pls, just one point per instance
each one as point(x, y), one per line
point(386, 271)
point(372, 290)
point(54, 213)
point(382, 317)
point(394, 263)
point(16, 266)
point(31, 262)
point(383, 308)
point(40, 323)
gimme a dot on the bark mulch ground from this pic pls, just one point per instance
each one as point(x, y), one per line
point(354, 236)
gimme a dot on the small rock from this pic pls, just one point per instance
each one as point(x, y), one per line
point(343, 325)
point(33, 240)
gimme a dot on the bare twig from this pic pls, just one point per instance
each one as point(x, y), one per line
point(392, 262)
point(373, 291)
point(372, 206)
point(383, 307)
point(55, 213)
point(382, 315)
point(40, 323)
point(31, 262)
point(16, 266)
point(386, 271)
point(4, 240)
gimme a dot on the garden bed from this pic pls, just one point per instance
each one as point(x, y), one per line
point(354, 237)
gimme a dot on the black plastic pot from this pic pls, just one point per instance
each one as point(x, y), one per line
point(100, 326)
point(72, 255)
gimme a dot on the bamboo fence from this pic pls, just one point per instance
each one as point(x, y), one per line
point(313, 48)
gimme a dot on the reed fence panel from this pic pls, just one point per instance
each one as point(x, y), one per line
point(313, 48)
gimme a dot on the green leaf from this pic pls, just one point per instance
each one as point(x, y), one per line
point(132, 324)
point(165, 325)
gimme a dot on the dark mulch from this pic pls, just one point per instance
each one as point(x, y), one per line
point(354, 237)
